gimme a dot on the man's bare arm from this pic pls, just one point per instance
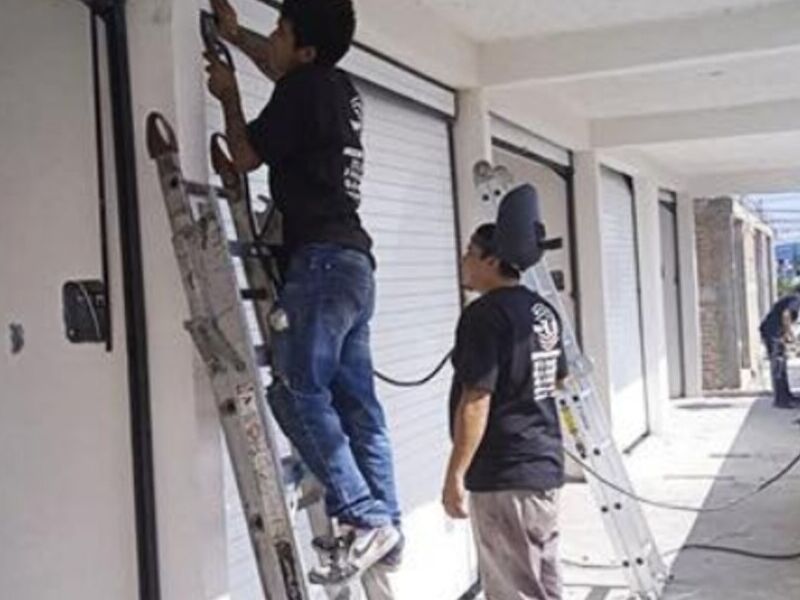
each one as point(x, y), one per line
point(787, 325)
point(256, 47)
point(472, 415)
point(222, 85)
point(471, 418)
point(244, 156)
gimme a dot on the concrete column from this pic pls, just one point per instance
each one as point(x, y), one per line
point(652, 301)
point(167, 75)
point(473, 142)
point(690, 296)
point(588, 204)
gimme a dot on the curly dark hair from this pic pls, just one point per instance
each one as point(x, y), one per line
point(327, 25)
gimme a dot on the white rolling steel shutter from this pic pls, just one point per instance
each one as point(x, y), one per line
point(623, 319)
point(408, 209)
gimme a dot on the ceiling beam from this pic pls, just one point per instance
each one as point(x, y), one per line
point(641, 47)
point(769, 181)
point(751, 119)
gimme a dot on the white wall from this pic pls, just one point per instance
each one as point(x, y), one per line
point(166, 72)
point(419, 38)
point(66, 490)
point(652, 301)
point(588, 204)
point(690, 299)
point(472, 143)
point(539, 111)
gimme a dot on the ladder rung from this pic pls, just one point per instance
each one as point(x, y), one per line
point(294, 471)
point(249, 249)
point(254, 294)
point(295, 475)
point(203, 190)
point(310, 498)
point(602, 445)
point(262, 355)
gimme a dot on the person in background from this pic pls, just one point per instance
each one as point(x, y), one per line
point(777, 330)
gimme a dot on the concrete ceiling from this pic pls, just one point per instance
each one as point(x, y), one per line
point(492, 20)
point(728, 155)
point(711, 84)
point(701, 87)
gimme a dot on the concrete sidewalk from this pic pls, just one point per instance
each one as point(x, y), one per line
point(717, 449)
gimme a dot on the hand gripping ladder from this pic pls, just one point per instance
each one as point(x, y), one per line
point(588, 435)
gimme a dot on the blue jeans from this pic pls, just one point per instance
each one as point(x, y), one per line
point(323, 394)
point(780, 378)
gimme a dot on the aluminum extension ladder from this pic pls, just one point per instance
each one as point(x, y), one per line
point(587, 432)
point(272, 488)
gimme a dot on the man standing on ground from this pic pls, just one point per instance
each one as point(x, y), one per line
point(777, 331)
point(309, 134)
point(507, 445)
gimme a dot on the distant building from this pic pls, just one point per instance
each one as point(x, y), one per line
point(788, 259)
point(735, 272)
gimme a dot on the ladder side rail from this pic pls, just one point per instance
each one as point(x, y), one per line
point(272, 523)
point(621, 515)
point(258, 278)
point(201, 251)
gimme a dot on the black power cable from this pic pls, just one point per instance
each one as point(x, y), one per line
point(742, 552)
point(416, 382)
point(702, 547)
point(680, 507)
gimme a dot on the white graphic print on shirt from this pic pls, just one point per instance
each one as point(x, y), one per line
point(545, 355)
point(354, 165)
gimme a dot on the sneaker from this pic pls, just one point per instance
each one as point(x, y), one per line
point(371, 545)
point(366, 547)
point(392, 560)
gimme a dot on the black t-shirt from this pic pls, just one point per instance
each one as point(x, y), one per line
point(772, 325)
point(509, 343)
point(309, 135)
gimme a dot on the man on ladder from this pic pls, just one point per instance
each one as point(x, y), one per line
point(323, 394)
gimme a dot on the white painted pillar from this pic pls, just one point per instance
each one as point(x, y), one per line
point(167, 75)
point(588, 206)
point(473, 142)
point(690, 297)
point(652, 302)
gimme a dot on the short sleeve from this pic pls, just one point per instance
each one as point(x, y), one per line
point(277, 132)
point(477, 356)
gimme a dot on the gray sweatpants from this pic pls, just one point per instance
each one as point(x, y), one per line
point(516, 534)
